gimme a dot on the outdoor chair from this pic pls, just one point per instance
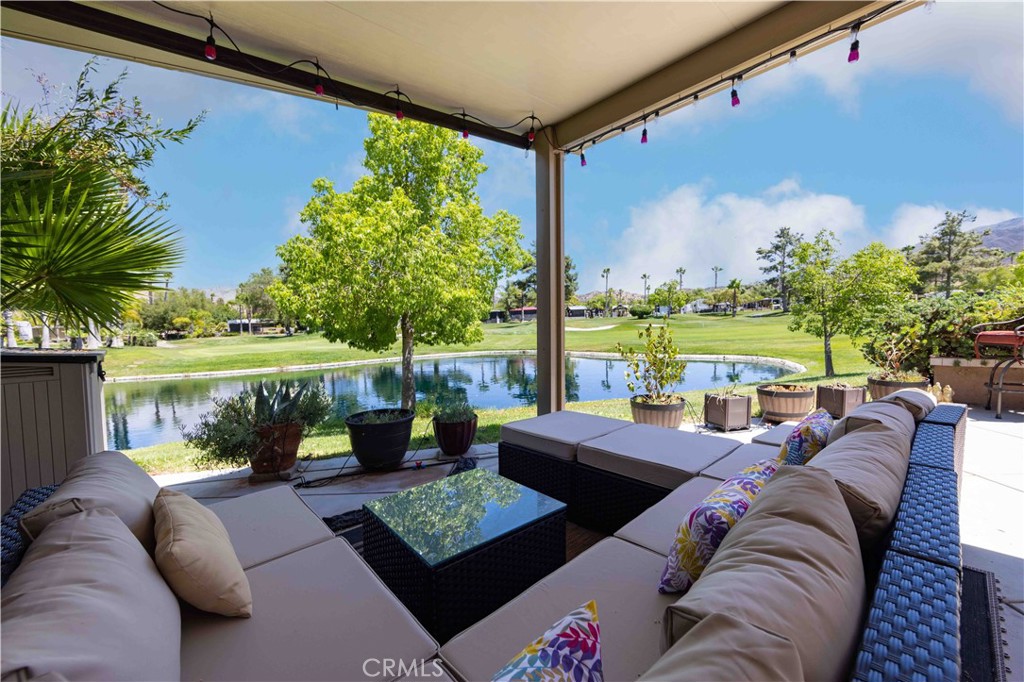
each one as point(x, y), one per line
point(1000, 335)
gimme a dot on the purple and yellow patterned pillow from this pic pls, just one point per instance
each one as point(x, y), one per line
point(702, 531)
point(570, 650)
point(807, 439)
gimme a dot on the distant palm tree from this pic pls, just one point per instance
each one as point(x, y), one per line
point(716, 270)
point(646, 278)
point(735, 285)
point(605, 273)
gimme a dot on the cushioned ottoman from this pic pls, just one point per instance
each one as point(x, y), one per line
point(776, 435)
point(740, 459)
point(621, 474)
point(540, 452)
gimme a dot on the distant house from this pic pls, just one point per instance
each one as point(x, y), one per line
point(662, 311)
point(576, 311)
point(620, 310)
point(247, 326)
point(496, 316)
point(525, 314)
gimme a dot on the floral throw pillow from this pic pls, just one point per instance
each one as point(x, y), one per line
point(702, 531)
point(807, 439)
point(570, 650)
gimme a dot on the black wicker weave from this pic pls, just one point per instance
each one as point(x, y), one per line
point(955, 417)
point(607, 501)
point(450, 597)
point(546, 474)
point(14, 544)
point(913, 623)
point(934, 447)
point(928, 519)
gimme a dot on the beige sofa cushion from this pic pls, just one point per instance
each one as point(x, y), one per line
point(870, 466)
point(892, 414)
point(320, 613)
point(791, 566)
point(655, 529)
point(194, 554)
point(258, 536)
point(653, 454)
point(559, 433)
point(776, 435)
point(622, 578)
point(103, 480)
point(430, 671)
point(739, 459)
point(721, 648)
point(88, 603)
point(919, 402)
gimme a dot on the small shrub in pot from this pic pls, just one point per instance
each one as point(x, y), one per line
point(655, 369)
point(454, 428)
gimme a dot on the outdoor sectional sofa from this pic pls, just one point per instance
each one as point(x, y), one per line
point(796, 591)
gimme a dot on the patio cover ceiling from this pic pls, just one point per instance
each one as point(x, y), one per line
point(581, 67)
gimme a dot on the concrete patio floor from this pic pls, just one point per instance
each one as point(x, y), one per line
point(991, 503)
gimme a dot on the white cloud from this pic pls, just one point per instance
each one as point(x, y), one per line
point(693, 228)
point(293, 223)
point(911, 221)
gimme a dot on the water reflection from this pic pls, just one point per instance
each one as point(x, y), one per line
point(147, 413)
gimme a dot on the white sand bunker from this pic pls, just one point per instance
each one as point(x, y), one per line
point(590, 329)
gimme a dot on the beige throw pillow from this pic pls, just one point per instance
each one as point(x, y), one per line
point(919, 402)
point(87, 603)
point(104, 480)
point(195, 556)
point(892, 414)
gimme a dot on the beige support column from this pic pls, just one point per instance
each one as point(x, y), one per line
point(550, 277)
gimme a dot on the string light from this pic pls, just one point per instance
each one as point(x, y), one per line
point(696, 99)
point(643, 135)
point(211, 47)
point(792, 57)
point(854, 45)
point(735, 95)
point(583, 159)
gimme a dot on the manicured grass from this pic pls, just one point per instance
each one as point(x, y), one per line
point(743, 335)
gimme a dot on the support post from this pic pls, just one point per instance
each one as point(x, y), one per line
point(550, 277)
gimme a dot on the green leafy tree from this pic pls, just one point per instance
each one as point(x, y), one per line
point(667, 294)
point(951, 257)
point(254, 294)
point(82, 233)
point(527, 280)
point(735, 286)
point(407, 253)
point(833, 296)
point(778, 256)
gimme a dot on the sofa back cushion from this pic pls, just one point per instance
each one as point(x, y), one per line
point(870, 466)
point(88, 603)
point(792, 567)
point(107, 480)
point(891, 414)
point(919, 402)
point(725, 648)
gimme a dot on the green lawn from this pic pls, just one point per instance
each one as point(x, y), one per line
point(743, 335)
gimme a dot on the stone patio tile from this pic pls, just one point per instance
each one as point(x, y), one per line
point(990, 516)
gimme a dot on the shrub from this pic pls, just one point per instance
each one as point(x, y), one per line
point(641, 311)
point(656, 369)
point(454, 412)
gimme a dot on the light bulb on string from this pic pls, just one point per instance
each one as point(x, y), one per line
point(735, 94)
point(696, 99)
point(211, 47)
point(399, 114)
point(854, 45)
point(643, 135)
point(465, 133)
point(792, 57)
point(319, 87)
point(583, 159)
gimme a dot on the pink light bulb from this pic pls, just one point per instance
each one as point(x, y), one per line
point(531, 136)
point(735, 98)
point(854, 51)
point(318, 88)
point(643, 137)
point(399, 114)
point(211, 49)
point(465, 134)
point(583, 159)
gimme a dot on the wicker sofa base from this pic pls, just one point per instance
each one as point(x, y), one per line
point(552, 476)
point(606, 501)
point(450, 597)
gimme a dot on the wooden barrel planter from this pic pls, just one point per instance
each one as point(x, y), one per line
point(880, 388)
point(379, 444)
point(841, 400)
point(789, 402)
point(670, 416)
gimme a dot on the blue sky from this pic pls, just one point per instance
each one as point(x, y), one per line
point(929, 119)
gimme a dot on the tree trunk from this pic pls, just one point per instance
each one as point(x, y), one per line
point(408, 380)
point(44, 331)
point(734, 302)
point(949, 281)
point(829, 369)
point(12, 339)
point(93, 338)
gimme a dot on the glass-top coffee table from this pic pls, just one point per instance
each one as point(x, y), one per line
point(456, 549)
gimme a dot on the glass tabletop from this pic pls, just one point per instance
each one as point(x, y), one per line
point(441, 520)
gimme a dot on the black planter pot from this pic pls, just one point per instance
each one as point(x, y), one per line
point(380, 445)
point(455, 438)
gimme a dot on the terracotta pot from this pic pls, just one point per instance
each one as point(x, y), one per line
point(455, 438)
point(879, 388)
point(840, 401)
point(780, 406)
point(278, 448)
point(670, 416)
point(383, 445)
point(727, 413)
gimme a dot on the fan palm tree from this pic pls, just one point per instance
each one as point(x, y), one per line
point(735, 284)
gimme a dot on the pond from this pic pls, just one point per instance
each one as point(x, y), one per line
point(146, 413)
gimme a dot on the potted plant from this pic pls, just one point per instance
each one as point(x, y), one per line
point(839, 398)
point(260, 428)
point(727, 410)
point(454, 428)
point(783, 402)
point(654, 371)
point(380, 438)
point(888, 356)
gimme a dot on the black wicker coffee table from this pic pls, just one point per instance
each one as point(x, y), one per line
point(456, 549)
